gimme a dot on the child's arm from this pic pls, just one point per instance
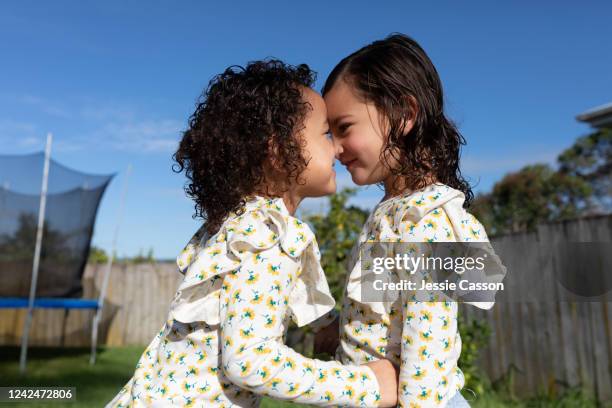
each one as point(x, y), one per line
point(427, 350)
point(254, 302)
point(429, 332)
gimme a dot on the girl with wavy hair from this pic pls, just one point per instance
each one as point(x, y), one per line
point(386, 113)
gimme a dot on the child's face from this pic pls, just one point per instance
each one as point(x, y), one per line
point(319, 150)
point(357, 133)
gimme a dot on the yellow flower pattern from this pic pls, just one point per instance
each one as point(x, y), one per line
point(421, 337)
point(222, 344)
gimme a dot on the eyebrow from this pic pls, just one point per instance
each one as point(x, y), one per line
point(334, 122)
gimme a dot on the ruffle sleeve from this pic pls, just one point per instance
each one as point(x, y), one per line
point(399, 214)
point(468, 229)
point(311, 297)
point(264, 224)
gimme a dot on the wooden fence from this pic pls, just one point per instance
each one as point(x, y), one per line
point(136, 307)
point(549, 346)
point(543, 346)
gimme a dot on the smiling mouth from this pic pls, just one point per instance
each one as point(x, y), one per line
point(348, 163)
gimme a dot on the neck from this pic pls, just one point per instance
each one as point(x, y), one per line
point(292, 201)
point(290, 197)
point(393, 186)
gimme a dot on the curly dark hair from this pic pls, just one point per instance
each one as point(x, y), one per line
point(244, 115)
point(401, 81)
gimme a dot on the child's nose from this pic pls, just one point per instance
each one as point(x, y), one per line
point(338, 149)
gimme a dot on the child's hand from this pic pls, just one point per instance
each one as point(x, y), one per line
point(387, 375)
point(328, 339)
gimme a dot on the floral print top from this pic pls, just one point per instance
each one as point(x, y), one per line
point(222, 344)
point(420, 337)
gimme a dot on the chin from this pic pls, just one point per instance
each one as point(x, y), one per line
point(322, 191)
point(359, 179)
point(331, 189)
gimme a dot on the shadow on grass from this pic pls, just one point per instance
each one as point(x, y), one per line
point(8, 353)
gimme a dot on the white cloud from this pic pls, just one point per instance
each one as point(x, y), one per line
point(93, 124)
point(19, 128)
point(101, 112)
point(63, 145)
point(31, 142)
point(158, 136)
point(49, 107)
point(20, 135)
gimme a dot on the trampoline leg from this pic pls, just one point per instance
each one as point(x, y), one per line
point(24, 341)
point(94, 336)
point(36, 262)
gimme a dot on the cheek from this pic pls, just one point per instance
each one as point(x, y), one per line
point(326, 151)
point(366, 147)
point(321, 159)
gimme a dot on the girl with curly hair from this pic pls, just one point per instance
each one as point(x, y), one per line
point(386, 114)
point(257, 144)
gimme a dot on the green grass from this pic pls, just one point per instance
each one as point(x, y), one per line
point(98, 384)
point(69, 367)
point(572, 398)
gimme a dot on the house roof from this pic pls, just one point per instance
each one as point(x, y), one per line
point(598, 117)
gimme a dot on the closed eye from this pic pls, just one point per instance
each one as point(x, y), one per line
point(344, 127)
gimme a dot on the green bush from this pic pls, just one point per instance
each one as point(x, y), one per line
point(474, 337)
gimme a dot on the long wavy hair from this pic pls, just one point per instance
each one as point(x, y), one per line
point(398, 77)
point(246, 117)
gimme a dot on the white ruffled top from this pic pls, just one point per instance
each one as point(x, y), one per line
point(264, 223)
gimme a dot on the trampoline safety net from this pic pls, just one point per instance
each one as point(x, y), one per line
point(72, 203)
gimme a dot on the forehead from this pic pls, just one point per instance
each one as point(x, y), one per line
point(315, 100)
point(340, 95)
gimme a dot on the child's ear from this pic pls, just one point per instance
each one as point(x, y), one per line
point(411, 106)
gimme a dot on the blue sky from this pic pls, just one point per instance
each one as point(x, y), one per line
point(116, 81)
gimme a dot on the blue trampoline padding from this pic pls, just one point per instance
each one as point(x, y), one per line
point(49, 303)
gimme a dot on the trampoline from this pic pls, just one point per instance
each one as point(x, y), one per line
point(47, 217)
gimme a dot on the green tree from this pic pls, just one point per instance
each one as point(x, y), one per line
point(337, 231)
point(20, 245)
point(533, 195)
point(475, 336)
point(590, 158)
point(97, 255)
point(141, 257)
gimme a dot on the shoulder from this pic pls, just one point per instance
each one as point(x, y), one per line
point(418, 211)
point(471, 228)
point(267, 225)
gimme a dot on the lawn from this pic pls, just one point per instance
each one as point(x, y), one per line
point(96, 385)
point(69, 367)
